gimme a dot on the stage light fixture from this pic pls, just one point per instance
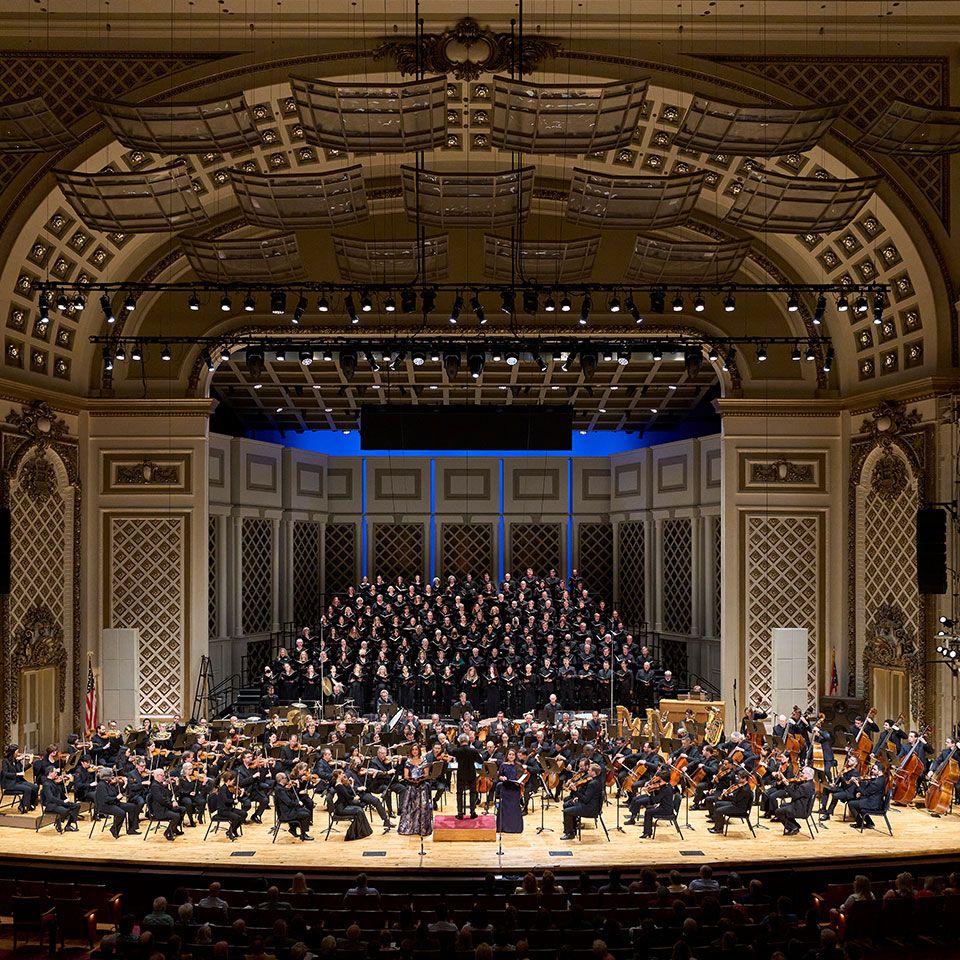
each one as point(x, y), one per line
point(226, 304)
point(795, 354)
point(348, 363)
point(249, 304)
point(947, 622)
point(820, 310)
point(828, 360)
point(623, 357)
point(692, 361)
point(351, 309)
point(194, 302)
point(107, 359)
point(165, 352)
point(451, 364)
point(366, 304)
point(327, 355)
point(224, 354)
point(43, 305)
point(540, 362)
point(531, 302)
point(860, 305)
point(658, 301)
point(614, 304)
point(456, 309)
point(408, 300)
point(811, 354)
point(130, 303)
point(761, 352)
point(428, 299)
point(107, 307)
point(793, 304)
point(390, 304)
point(699, 304)
point(475, 361)
point(633, 310)
point(565, 305)
point(61, 302)
point(607, 354)
point(121, 352)
point(280, 354)
point(477, 307)
point(842, 303)
point(435, 355)
point(306, 358)
point(79, 303)
point(656, 351)
point(713, 355)
point(511, 356)
point(208, 358)
point(585, 305)
point(300, 309)
point(588, 363)
point(508, 302)
point(278, 303)
point(568, 361)
point(371, 360)
point(878, 305)
point(549, 305)
point(729, 303)
point(255, 364)
point(323, 304)
point(677, 305)
point(418, 358)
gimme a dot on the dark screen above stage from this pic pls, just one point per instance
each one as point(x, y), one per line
point(462, 427)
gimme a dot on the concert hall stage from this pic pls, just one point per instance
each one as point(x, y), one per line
point(916, 836)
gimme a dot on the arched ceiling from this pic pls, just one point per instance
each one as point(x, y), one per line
point(891, 240)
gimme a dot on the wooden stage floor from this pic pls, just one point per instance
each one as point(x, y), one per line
point(916, 835)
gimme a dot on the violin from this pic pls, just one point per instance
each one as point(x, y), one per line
point(654, 784)
point(577, 781)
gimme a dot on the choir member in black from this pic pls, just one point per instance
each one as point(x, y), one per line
point(357, 686)
point(734, 801)
point(567, 682)
point(269, 701)
point(492, 698)
point(310, 685)
point(646, 683)
point(223, 804)
point(53, 800)
point(407, 688)
point(529, 684)
point(586, 801)
point(429, 689)
point(163, 805)
point(623, 683)
point(604, 681)
point(253, 782)
point(667, 687)
point(290, 808)
point(347, 807)
point(586, 684)
point(661, 803)
point(509, 684)
point(510, 792)
point(448, 688)
point(869, 798)
point(548, 680)
point(288, 684)
point(13, 779)
point(107, 803)
point(800, 798)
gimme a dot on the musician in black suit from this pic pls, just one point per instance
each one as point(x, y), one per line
point(223, 805)
point(799, 803)
point(735, 804)
point(107, 803)
point(13, 779)
point(915, 744)
point(869, 799)
point(164, 806)
point(347, 807)
point(842, 791)
point(53, 799)
point(467, 758)
point(585, 802)
point(660, 805)
point(290, 809)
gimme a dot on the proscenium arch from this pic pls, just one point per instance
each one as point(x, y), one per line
point(147, 254)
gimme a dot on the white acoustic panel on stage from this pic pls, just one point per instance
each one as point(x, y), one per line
point(119, 691)
point(789, 650)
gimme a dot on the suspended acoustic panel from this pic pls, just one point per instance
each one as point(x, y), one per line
point(659, 261)
point(913, 128)
point(748, 130)
point(257, 260)
point(147, 201)
point(630, 202)
point(467, 198)
point(373, 117)
point(30, 126)
point(783, 204)
point(221, 126)
point(290, 201)
point(391, 261)
point(540, 261)
point(559, 118)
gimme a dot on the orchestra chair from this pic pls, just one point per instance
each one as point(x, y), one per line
point(275, 829)
point(884, 812)
point(7, 799)
point(745, 818)
point(598, 819)
point(94, 813)
point(150, 822)
point(674, 818)
point(332, 817)
point(214, 819)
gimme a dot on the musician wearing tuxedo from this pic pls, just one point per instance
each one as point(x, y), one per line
point(660, 805)
point(290, 808)
point(53, 799)
point(800, 797)
point(586, 801)
point(842, 791)
point(223, 804)
point(163, 805)
point(737, 803)
point(869, 798)
point(107, 803)
point(467, 758)
point(251, 781)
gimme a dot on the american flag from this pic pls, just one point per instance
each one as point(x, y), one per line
point(90, 713)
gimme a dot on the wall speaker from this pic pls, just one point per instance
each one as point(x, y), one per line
point(4, 550)
point(932, 550)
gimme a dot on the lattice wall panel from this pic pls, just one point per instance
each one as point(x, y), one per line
point(677, 583)
point(717, 577)
point(339, 557)
point(466, 548)
point(595, 558)
point(256, 575)
point(783, 583)
point(632, 572)
point(397, 550)
point(37, 552)
point(147, 593)
point(535, 545)
point(213, 625)
point(307, 601)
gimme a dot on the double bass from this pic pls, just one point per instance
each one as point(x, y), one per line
point(942, 784)
point(908, 773)
point(863, 745)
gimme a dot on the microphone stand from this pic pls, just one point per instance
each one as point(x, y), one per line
point(499, 803)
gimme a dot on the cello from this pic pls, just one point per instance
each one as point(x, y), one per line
point(908, 772)
point(863, 745)
point(943, 783)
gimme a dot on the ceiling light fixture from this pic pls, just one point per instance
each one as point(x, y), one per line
point(226, 304)
point(300, 309)
point(278, 303)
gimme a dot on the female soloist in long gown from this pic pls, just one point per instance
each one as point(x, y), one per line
point(416, 812)
point(511, 795)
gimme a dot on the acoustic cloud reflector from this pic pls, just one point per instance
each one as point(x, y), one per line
point(30, 126)
point(564, 119)
point(659, 261)
point(255, 260)
point(606, 200)
point(391, 261)
point(906, 128)
point(373, 117)
point(147, 201)
point(540, 261)
point(467, 198)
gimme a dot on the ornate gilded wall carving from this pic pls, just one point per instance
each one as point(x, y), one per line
point(595, 557)
point(632, 571)
point(39, 482)
point(147, 592)
point(257, 554)
point(307, 605)
point(783, 588)
point(38, 643)
point(677, 583)
point(535, 545)
point(466, 548)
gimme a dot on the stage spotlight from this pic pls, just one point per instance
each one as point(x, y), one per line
point(371, 360)
point(306, 358)
point(300, 309)
point(226, 304)
point(496, 353)
point(508, 302)
point(677, 304)
point(842, 303)
point(130, 303)
point(455, 309)
point(623, 357)
point(164, 352)
point(860, 305)
point(428, 299)
point(390, 304)
point(878, 305)
point(607, 354)
point(351, 309)
point(540, 362)
point(946, 621)
point(828, 360)
point(194, 302)
point(61, 302)
point(121, 352)
point(348, 363)
point(614, 304)
point(549, 305)
point(278, 303)
point(451, 364)
point(633, 310)
point(107, 309)
point(585, 309)
point(323, 304)
point(475, 361)
point(588, 363)
point(568, 361)
point(811, 354)
point(399, 359)
point(249, 304)
point(408, 299)
point(692, 360)
point(477, 307)
point(107, 359)
point(418, 358)
point(730, 359)
point(79, 303)
point(795, 354)
point(729, 303)
point(531, 302)
point(136, 353)
point(208, 359)
point(793, 304)
point(224, 355)
point(565, 305)
point(699, 304)
point(761, 352)
point(280, 354)
point(255, 364)
point(512, 356)
point(43, 304)
point(713, 355)
point(366, 304)
point(327, 355)
point(820, 311)
point(656, 351)
point(658, 301)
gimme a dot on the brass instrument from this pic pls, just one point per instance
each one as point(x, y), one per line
point(713, 731)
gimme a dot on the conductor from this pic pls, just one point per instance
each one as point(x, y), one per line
point(468, 758)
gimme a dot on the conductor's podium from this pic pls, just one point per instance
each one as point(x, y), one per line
point(448, 828)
